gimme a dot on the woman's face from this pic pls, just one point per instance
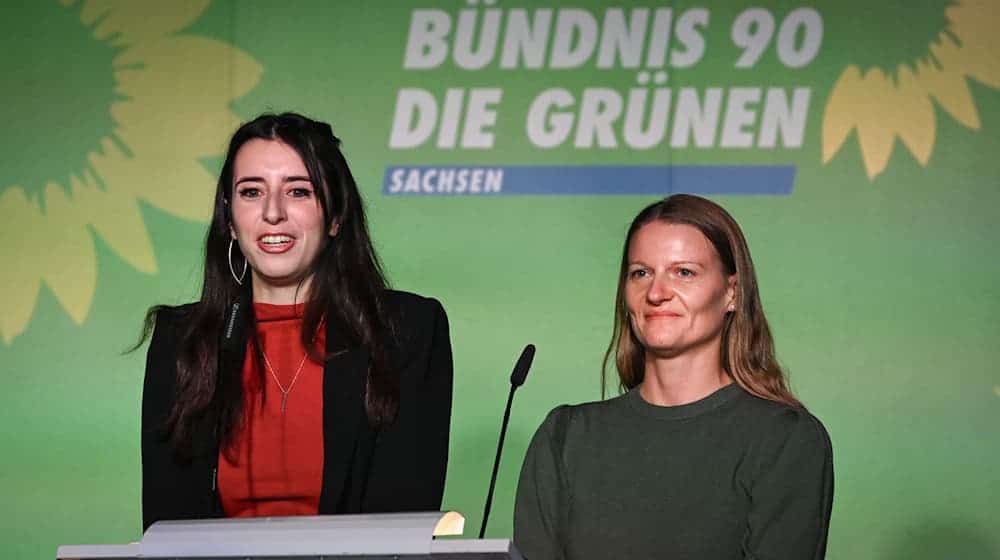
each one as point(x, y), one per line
point(277, 219)
point(676, 291)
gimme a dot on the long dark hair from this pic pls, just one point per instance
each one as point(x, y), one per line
point(347, 282)
point(747, 347)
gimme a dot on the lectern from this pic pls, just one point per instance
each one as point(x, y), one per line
point(333, 537)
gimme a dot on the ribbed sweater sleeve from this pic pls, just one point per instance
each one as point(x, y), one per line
point(791, 491)
point(541, 495)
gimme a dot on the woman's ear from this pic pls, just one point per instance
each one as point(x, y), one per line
point(229, 218)
point(731, 294)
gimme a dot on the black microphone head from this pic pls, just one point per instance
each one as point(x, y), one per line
point(232, 328)
point(522, 366)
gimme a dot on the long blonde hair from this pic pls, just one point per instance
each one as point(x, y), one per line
point(747, 347)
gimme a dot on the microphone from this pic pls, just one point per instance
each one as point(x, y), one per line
point(231, 326)
point(516, 380)
point(231, 345)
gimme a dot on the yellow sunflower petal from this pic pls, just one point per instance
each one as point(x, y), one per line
point(19, 284)
point(92, 10)
point(176, 114)
point(188, 82)
point(880, 110)
point(874, 138)
point(946, 82)
point(61, 253)
point(838, 117)
point(120, 223)
point(913, 116)
point(171, 180)
point(975, 23)
point(127, 22)
point(70, 267)
point(898, 108)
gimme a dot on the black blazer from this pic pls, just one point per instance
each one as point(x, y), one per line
point(399, 469)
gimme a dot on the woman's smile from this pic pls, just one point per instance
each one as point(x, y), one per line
point(275, 243)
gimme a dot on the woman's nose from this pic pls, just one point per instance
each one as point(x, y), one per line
point(660, 290)
point(274, 209)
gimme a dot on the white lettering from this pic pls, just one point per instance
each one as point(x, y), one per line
point(447, 181)
point(778, 116)
point(576, 37)
point(413, 122)
point(426, 182)
point(450, 118)
point(636, 136)
point(739, 115)
point(425, 42)
point(396, 182)
point(752, 32)
point(524, 39)
point(619, 39)
point(811, 23)
point(547, 128)
point(412, 181)
point(691, 118)
point(479, 116)
point(477, 181)
point(659, 38)
point(473, 59)
point(690, 36)
point(436, 181)
point(494, 180)
point(599, 109)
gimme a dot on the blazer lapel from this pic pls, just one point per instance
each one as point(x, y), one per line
point(344, 419)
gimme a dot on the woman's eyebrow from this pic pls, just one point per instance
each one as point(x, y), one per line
point(248, 180)
point(638, 262)
point(289, 179)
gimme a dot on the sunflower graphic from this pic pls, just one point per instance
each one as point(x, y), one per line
point(882, 106)
point(131, 106)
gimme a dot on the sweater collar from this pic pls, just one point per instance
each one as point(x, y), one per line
point(683, 411)
point(264, 312)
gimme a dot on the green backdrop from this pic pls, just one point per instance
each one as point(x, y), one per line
point(877, 256)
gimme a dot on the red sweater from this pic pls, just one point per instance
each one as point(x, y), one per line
point(279, 456)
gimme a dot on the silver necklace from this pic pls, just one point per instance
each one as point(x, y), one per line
point(284, 391)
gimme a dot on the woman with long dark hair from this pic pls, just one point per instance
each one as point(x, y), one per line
point(707, 453)
point(298, 383)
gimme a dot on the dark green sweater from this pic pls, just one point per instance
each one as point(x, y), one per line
point(730, 476)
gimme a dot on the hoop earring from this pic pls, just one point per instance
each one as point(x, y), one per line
point(239, 279)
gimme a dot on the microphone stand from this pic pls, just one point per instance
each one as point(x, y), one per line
point(496, 462)
point(517, 378)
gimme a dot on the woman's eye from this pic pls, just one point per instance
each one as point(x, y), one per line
point(637, 273)
point(685, 272)
point(249, 192)
point(300, 192)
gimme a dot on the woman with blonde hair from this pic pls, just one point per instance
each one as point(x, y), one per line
point(706, 453)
